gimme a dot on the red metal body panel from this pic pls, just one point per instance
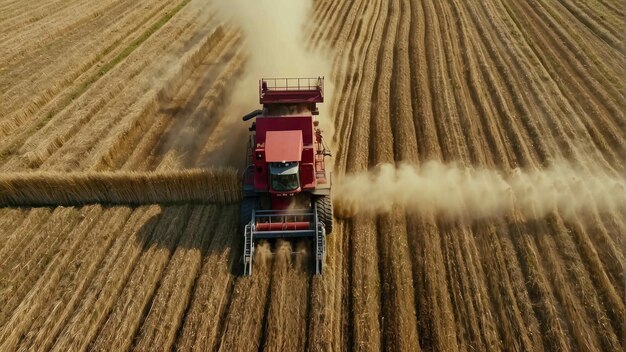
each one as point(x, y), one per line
point(281, 146)
point(264, 127)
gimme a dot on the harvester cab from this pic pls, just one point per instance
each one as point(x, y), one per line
point(286, 186)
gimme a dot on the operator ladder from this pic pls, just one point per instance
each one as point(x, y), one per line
point(248, 250)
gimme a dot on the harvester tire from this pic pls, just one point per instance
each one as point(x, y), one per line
point(245, 211)
point(325, 212)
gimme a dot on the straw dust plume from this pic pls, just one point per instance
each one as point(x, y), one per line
point(274, 43)
point(463, 193)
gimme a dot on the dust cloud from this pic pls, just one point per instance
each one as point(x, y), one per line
point(275, 47)
point(460, 193)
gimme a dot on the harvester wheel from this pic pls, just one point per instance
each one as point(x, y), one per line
point(325, 212)
point(245, 210)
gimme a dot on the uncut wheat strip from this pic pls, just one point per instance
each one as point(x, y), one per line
point(60, 284)
point(99, 298)
point(24, 272)
point(244, 322)
point(286, 316)
point(71, 288)
point(152, 138)
point(181, 186)
point(166, 314)
point(130, 308)
point(36, 86)
point(211, 297)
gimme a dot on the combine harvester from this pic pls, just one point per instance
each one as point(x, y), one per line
point(286, 186)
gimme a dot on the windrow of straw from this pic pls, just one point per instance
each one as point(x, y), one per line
point(204, 186)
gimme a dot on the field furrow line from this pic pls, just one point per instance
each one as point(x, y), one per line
point(612, 257)
point(597, 23)
point(580, 85)
point(444, 102)
point(210, 301)
point(599, 298)
point(134, 302)
point(516, 331)
point(564, 290)
point(128, 109)
point(399, 325)
point(72, 103)
point(53, 297)
point(23, 236)
point(48, 242)
point(10, 221)
point(49, 321)
point(100, 296)
point(38, 11)
point(568, 133)
point(162, 322)
point(153, 138)
point(402, 110)
point(195, 117)
point(27, 38)
point(11, 9)
point(556, 334)
point(244, 323)
point(286, 316)
point(436, 323)
point(357, 39)
point(421, 48)
point(36, 86)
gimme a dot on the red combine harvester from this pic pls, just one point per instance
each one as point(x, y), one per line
point(286, 187)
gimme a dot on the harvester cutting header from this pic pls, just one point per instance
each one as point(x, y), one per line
point(286, 186)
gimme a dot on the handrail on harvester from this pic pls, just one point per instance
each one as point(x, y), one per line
point(291, 90)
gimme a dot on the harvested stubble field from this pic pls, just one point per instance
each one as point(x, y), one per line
point(142, 86)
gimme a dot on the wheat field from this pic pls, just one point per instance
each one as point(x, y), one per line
point(121, 145)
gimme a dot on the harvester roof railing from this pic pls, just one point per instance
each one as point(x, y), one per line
point(291, 90)
point(313, 83)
